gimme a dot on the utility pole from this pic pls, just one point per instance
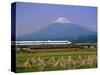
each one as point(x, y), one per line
point(75, 37)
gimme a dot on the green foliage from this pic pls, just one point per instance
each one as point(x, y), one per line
point(50, 61)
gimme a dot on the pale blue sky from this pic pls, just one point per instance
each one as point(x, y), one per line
point(31, 17)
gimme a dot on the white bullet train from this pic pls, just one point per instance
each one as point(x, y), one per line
point(49, 42)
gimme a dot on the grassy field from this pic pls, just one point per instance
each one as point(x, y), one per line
point(56, 60)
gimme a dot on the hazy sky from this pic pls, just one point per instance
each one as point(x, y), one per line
point(31, 17)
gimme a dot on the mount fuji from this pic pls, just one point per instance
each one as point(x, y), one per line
point(61, 29)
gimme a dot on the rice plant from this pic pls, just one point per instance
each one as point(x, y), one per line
point(51, 61)
point(66, 63)
point(28, 64)
point(70, 63)
point(41, 64)
point(33, 60)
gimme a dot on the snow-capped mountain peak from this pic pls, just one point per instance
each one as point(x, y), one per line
point(62, 20)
